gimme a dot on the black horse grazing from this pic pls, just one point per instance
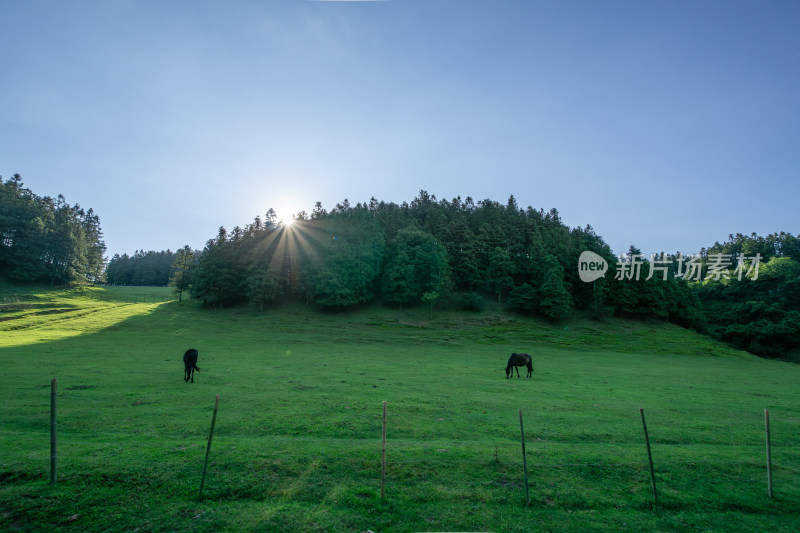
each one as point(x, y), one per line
point(519, 359)
point(190, 364)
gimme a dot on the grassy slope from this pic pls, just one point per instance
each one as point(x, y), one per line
point(297, 442)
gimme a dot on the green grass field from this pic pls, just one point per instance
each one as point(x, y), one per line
point(297, 443)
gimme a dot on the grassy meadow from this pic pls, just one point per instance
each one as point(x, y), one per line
point(297, 442)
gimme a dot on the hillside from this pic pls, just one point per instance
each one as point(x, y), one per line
point(297, 442)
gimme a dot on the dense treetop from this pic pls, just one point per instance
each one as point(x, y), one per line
point(47, 240)
point(141, 268)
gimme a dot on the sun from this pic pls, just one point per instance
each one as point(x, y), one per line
point(286, 216)
point(285, 208)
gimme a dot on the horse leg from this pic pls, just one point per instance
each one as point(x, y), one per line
point(191, 371)
point(517, 369)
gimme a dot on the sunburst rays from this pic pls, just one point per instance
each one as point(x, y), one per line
point(286, 247)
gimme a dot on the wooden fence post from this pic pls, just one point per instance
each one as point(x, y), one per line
point(649, 457)
point(524, 461)
point(53, 434)
point(769, 454)
point(208, 448)
point(383, 454)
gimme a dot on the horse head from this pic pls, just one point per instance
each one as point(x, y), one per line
point(510, 365)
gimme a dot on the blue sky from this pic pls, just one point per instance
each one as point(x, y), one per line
point(667, 125)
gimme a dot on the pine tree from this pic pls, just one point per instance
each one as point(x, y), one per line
point(181, 278)
point(555, 302)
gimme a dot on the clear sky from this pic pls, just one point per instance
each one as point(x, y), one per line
point(664, 124)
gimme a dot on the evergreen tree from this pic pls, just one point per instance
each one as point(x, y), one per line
point(462, 249)
point(47, 240)
point(524, 298)
point(498, 272)
point(343, 268)
point(417, 265)
point(555, 302)
point(182, 268)
point(149, 268)
point(267, 265)
point(397, 284)
point(219, 278)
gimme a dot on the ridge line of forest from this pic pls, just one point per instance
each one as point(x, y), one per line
point(432, 252)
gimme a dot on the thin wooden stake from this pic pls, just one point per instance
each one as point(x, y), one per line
point(769, 454)
point(383, 454)
point(208, 448)
point(524, 461)
point(53, 434)
point(649, 457)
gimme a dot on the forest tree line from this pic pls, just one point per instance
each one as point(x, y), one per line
point(142, 268)
point(759, 315)
point(456, 253)
point(47, 240)
point(461, 253)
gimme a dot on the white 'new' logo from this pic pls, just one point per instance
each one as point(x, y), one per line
point(591, 266)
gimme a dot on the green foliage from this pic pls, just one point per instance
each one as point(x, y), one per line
point(470, 301)
point(343, 266)
point(397, 279)
point(265, 286)
point(46, 240)
point(142, 268)
point(643, 288)
point(430, 298)
point(683, 305)
point(760, 314)
point(462, 250)
point(773, 245)
point(524, 299)
point(555, 302)
point(219, 277)
point(416, 265)
point(589, 296)
point(422, 251)
point(499, 272)
point(338, 258)
point(354, 254)
point(780, 269)
point(181, 278)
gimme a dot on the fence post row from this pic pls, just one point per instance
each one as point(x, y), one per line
point(54, 448)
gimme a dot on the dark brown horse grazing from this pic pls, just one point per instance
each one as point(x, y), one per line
point(190, 364)
point(516, 360)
